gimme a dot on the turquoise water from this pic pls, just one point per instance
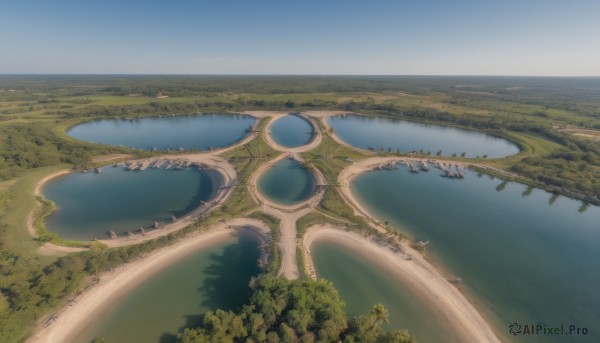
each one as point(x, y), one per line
point(291, 131)
point(287, 182)
point(523, 257)
point(176, 298)
point(90, 204)
point(363, 132)
point(166, 132)
point(362, 284)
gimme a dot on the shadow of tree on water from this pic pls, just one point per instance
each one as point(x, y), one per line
point(226, 283)
point(210, 181)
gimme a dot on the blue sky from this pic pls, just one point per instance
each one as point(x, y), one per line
point(459, 37)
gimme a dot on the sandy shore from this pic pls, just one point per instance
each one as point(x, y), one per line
point(264, 201)
point(49, 249)
point(243, 141)
point(40, 185)
point(415, 273)
point(276, 114)
point(114, 285)
point(264, 114)
point(288, 215)
point(440, 294)
point(419, 276)
point(347, 174)
point(313, 143)
point(289, 242)
point(37, 191)
point(337, 139)
point(212, 160)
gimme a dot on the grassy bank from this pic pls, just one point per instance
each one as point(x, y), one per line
point(33, 144)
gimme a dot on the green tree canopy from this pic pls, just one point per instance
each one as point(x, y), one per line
point(293, 311)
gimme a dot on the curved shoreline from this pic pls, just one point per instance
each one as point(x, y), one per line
point(314, 141)
point(113, 285)
point(345, 179)
point(418, 275)
point(337, 139)
point(242, 140)
point(212, 160)
point(37, 191)
point(355, 169)
point(512, 141)
point(287, 215)
point(263, 200)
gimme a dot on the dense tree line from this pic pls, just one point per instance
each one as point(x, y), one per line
point(154, 107)
point(281, 310)
point(33, 146)
point(32, 287)
point(564, 169)
point(576, 166)
point(568, 93)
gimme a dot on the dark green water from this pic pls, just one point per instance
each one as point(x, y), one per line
point(287, 182)
point(166, 132)
point(524, 257)
point(363, 132)
point(89, 204)
point(362, 284)
point(291, 131)
point(176, 298)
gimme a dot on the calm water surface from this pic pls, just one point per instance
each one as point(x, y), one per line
point(524, 256)
point(176, 298)
point(291, 131)
point(287, 182)
point(363, 132)
point(89, 204)
point(166, 132)
point(362, 284)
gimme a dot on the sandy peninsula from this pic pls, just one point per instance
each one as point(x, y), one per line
point(264, 114)
point(114, 285)
point(313, 143)
point(414, 272)
point(287, 215)
point(347, 174)
point(48, 249)
point(212, 160)
point(408, 266)
point(37, 191)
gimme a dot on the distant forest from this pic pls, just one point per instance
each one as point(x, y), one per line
point(513, 106)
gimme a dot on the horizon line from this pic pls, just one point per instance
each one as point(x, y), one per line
point(291, 74)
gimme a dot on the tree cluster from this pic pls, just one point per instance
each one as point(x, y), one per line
point(33, 146)
point(281, 310)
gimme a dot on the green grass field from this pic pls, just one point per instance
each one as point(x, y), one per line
point(19, 206)
point(34, 115)
point(310, 219)
point(330, 157)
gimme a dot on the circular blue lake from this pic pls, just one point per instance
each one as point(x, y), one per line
point(89, 205)
point(291, 131)
point(287, 182)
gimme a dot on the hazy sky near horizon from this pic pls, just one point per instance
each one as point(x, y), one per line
point(428, 37)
